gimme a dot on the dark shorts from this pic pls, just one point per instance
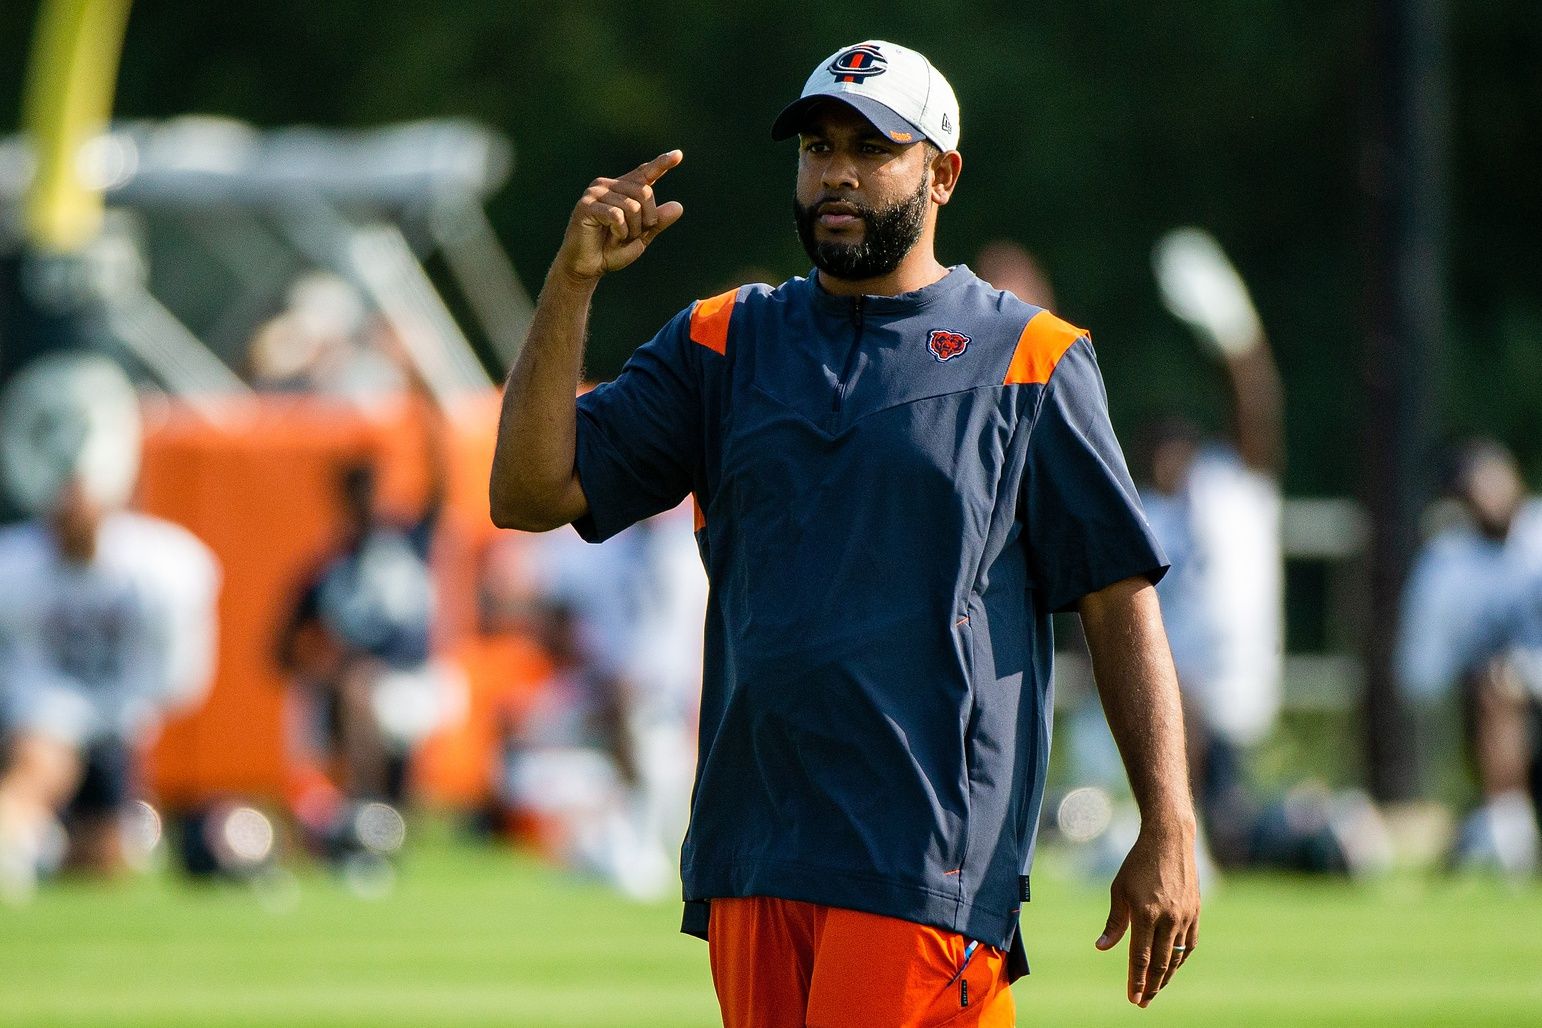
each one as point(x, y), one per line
point(107, 784)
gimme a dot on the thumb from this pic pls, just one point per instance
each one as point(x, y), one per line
point(669, 213)
point(1114, 928)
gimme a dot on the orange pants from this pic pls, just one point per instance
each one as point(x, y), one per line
point(787, 964)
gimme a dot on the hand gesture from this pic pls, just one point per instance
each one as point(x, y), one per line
point(1156, 896)
point(616, 220)
point(1203, 289)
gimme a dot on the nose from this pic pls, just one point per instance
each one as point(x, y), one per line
point(839, 173)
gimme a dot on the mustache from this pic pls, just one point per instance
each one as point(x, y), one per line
point(831, 203)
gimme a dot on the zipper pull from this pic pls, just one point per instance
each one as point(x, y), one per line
point(963, 983)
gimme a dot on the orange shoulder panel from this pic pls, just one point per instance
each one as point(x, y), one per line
point(1044, 341)
point(709, 321)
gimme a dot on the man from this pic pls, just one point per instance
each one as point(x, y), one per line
point(107, 619)
point(1469, 624)
point(900, 473)
point(359, 637)
point(1009, 266)
point(600, 763)
point(1214, 505)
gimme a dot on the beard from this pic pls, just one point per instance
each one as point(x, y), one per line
point(888, 235)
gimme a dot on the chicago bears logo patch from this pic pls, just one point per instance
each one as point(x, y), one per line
point(946, 345)
point(858, 64)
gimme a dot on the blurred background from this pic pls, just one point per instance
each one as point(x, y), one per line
point(292, 735)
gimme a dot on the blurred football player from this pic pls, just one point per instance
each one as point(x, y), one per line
point(358, 639)
point(1470, 626)
point(600, 762)
point(107, 617)
point(1008, 265)
point(1215, 506)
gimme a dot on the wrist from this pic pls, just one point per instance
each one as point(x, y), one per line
point(1173, 820)
point(564, 274)
point(1241, 350)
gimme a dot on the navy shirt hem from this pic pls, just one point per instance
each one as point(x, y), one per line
point(868, 893)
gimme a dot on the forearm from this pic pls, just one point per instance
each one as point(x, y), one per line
point(533, 486)
point(1258, 406)
point(1139, 689)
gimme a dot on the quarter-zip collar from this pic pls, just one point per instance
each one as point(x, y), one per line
point(957, 278)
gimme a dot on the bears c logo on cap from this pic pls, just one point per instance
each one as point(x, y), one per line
point(897, 90)
point(859, 64)
point(946, 345)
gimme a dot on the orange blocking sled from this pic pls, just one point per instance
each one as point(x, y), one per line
point(259, 487)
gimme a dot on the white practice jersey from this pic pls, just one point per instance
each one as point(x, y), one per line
point(641, 601)
point(1460, 599)
point(668, 659)
point(101, 650)
point(1223, 599)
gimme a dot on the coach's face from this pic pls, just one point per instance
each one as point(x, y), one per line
point(863, 200)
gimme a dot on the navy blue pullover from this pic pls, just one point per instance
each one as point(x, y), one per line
point(894, 494)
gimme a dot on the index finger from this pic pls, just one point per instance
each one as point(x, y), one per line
point(655, 169)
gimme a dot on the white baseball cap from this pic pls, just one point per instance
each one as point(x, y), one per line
point(896, 89)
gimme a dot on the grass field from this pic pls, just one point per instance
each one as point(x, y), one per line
point(479, 936)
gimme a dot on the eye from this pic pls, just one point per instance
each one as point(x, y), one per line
point(816, 146)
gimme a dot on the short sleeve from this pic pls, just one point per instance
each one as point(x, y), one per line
point(1084, 525)
point(639, 436)
point(177, 636)
point(192, 626)
point(1431, 622)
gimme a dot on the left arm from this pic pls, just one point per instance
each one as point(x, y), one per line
point(1156, 892)
point(1085, 529)
point(1202, 289)
point(1258, 408)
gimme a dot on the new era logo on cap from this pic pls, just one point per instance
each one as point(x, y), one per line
point(896, 89)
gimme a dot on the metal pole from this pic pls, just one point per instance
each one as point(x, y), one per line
point(71, 78)
point(71, 74)
point(1405, 166)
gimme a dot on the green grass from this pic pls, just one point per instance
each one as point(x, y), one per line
point(479, 936)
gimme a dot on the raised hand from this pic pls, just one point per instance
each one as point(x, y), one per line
point(616, 219)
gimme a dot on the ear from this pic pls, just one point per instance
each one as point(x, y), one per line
point(946, 168)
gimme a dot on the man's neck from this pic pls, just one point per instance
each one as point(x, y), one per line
point(1496, 532)
point(917, 271)
point(77, 548)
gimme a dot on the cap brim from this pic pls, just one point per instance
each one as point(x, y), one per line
point(790, 122)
